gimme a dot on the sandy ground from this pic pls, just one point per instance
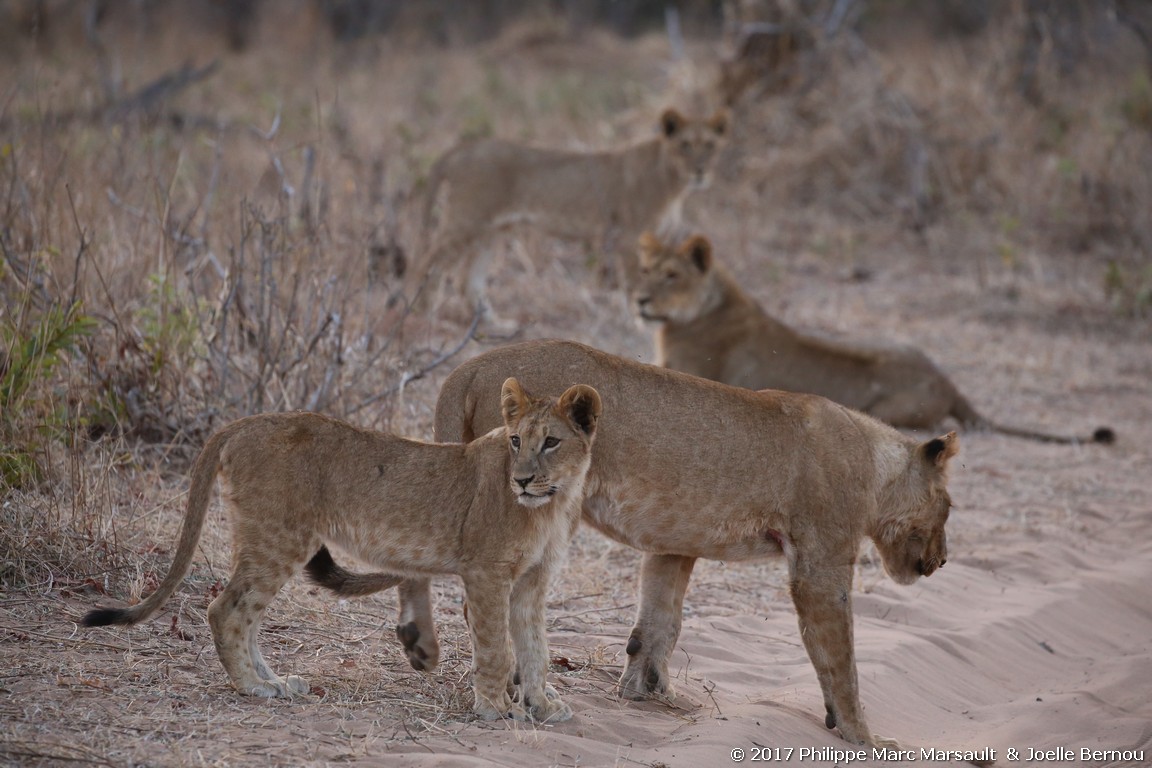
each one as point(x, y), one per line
point(1036, 636)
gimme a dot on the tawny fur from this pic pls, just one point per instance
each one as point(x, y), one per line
point(709, 326)
point(499, 512)
point(690, 468)
point(604, 198)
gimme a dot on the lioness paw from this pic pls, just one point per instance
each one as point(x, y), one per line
point(642, 680)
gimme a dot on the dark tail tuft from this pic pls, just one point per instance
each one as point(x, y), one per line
point(102, 617)
point(322, 570)
point(1104, 436)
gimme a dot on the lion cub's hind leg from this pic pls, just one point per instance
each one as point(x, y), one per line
point(235, 617)
point(415, 629)
point(478, 263)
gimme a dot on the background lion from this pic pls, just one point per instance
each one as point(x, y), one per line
point(709, 326)
point(603, 198)
point(295, 481)
point(689, 468)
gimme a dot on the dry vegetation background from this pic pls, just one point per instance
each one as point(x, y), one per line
point(199, 211)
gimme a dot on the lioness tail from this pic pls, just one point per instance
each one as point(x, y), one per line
point(970, 418)
point(324, 571)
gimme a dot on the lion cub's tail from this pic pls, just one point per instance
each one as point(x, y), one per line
point(203, 478)
point(970, 418)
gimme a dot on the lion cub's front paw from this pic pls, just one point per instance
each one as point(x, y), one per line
point(486, 708)
point(550, 710)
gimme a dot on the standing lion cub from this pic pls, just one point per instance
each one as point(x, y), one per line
point(499, 512)
point(710, 327)
point(491, 185)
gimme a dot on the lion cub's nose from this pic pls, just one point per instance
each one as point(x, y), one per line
point(523, 481)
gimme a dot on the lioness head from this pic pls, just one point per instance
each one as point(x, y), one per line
point(674, 278)
point(693, 145)
point(550, 440)
point(910, 532)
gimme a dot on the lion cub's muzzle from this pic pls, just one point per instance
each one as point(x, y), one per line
point(644, 310)
point(531, 491)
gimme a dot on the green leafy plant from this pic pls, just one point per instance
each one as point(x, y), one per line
point(169, 323)
point(1136, 104)
point(1129, 289)
point(31, 352)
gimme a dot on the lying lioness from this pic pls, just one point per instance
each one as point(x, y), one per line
point(499, 512)
point(709, 326)
point(690, 468)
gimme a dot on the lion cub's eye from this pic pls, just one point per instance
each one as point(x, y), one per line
point(515, 440)
point(671, 275)
point(551, 442)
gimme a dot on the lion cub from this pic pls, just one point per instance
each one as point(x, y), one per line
point(710, 327)
point(499, 512)
point(487, 186)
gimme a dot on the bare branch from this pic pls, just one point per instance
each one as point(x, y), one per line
point(408, 378)
point(148, 98)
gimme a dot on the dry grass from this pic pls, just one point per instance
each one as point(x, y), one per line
point(221, 244)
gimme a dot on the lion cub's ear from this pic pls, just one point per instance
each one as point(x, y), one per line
point(581, 405)
point(699, 251)
point(649, 245)
point(938, 450)
point(649, 242)
point(672, 122)
point(720, 122)
point(514, 401)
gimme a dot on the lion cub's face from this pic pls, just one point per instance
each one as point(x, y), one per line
point(913, 544)
point(674, 279)
point(550, 441)
point(693, 145)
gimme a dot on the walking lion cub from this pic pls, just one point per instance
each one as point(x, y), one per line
point(488, 186)
point(709, 326)
point(499, 512)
